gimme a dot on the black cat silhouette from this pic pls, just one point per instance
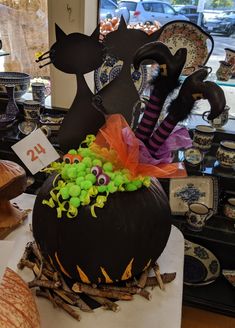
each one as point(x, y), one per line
point(78, 54)
point(120, 95)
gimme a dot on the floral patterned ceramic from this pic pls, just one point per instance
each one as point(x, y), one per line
point(230, 58)
point(229, 208)
point(219, 121)
point(183, 34)
point(111, 68)
point(193, 156)
point(21, 82)
point(201, 267)
point(184, 191)
point(197, 215)
point(224, 72)
point(203, 137)
point(226, 154)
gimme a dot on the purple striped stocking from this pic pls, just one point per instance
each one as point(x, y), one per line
point(161, 134)
point(150, 117)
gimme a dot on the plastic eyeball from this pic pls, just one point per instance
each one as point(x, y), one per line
point(68, 158)
point(103, 179)
point(96, 170)
point(77, 159)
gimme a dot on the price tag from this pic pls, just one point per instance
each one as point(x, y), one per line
point(35, 151)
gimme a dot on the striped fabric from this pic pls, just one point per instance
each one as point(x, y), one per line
point(160, 135)
point(150, 117)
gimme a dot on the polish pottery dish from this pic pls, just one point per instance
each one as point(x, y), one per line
point(6, 121)
point(201, 267)
point(21, 81)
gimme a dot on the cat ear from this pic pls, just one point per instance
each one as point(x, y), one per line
point(96, 34)
point(122, 25)
point(59, 33)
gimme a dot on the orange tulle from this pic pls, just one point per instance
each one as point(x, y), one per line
point(109, 144)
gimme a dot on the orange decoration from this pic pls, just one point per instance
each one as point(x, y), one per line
point(109, 144)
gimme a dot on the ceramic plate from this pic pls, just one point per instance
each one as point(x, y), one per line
point(193, 156)
point(181, 34)
point(193, 189)
point(201, 267)
point(111, 68)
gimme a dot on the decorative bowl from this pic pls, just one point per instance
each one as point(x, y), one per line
point(6, 121)
point(20, 80)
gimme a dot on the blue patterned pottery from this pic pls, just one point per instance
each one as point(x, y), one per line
point(20, 80)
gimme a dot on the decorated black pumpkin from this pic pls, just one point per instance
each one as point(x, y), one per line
point(128, 234)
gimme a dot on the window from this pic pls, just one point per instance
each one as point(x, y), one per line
point(129, 5)
point(157, 7)
point(168, 9)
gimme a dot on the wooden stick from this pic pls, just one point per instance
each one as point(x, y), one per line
point(78, 301)
point(130, 290)
point(44, 284)
point(25, 256)
point(143, 278)
point(107, 304)
point(166, 278)
point(60, 303)
point(156, 270)
point(146, 294)
point(82, 288)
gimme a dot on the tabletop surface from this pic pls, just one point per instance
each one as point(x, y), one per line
point(163, 310)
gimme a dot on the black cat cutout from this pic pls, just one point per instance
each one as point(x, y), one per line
point(78, 54)
point(120, 95)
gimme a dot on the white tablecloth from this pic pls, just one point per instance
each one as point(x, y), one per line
point(164, 310)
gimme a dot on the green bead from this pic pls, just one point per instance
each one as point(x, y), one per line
point(64, 173)
point(74, 191)
point(86, 184)
point(69, 185)
point(111, 187)
point(79, 180)
point(97, 162)
point(75, 201)
point(108, 167)
point(130, 187)
point(81, 174)
point(118, 180)
point(72, 173)
point(72, 152)
point(110, 174)
point(85, 152)
point(91, 177)
point(87, 161)
point(102, 188)
point(137, 183)
point(64, 191)
point(81, 167)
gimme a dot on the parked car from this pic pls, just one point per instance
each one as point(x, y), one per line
point(150, 11)
point(189, 11)
point(223, 23)
point(109, 9)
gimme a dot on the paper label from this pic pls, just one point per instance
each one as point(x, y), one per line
point(35, 151)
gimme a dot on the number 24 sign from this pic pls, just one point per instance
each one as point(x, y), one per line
point(35, 151)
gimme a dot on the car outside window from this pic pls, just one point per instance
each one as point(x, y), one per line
point(147, 6)
point(157, 7)
point(131, 6)
point(168, 9)
point(107, 4)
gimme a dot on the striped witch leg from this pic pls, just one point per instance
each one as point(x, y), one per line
point(161, 134)
point(150, 117)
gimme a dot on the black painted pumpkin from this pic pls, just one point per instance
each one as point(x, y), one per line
point(129, 233)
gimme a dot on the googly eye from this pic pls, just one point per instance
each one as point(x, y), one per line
point(96, 170)
point(77, 159)
point(103, 179)
point(68, 158)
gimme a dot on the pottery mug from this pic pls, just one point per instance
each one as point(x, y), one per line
point(203, 137)
point(219, 121)
point(40, 92)
point(229, 208)
point(197, 215)
point(226, 154)
point(230, 58)
point(224, 72)
point(31, 110)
